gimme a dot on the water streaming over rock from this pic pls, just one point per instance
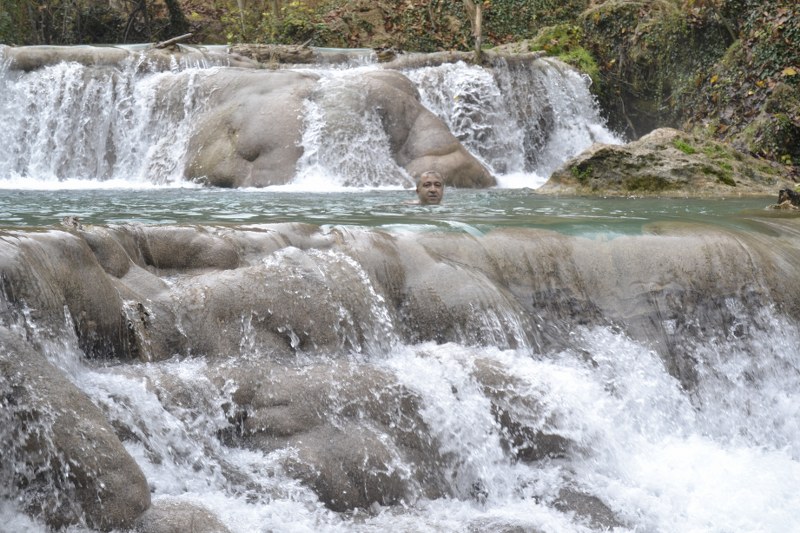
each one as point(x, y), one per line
point(67, 122)
point(131, 123)
point(521, 117)
point(425, 372)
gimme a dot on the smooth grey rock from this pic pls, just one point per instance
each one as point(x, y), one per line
point(59, 450)
point(168, 515)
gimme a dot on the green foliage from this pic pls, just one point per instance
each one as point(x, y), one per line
point(751, 95)
point(648, 55)
point(100, 24)
point(510, 20)
point(68, 22)
point(414, 25)
point(582, 173)
point(772, 37)
point(240, 25)
point(430, 25)
point(295, 24)
point(11, 18)
point(564, 41)
point(683, 146)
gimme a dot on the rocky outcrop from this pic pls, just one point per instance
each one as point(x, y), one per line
point(529, 429)
point(250, 135)
point(50, 274)
point(247, 125)
point(339, 428)
point(27, 58)
point(274, 53)
point(289, 319)
point(59, 449)
point(294, 289)
point(667, 162)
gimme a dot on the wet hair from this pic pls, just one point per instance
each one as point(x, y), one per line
point(431, 174)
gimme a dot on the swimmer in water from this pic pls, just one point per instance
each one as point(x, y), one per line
point(430, 188)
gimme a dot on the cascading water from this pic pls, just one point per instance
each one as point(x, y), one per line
point(520, 118)
point(490, 364)
point(130, 125)
point(635, 441)
point(336, 156)
point(70, 123)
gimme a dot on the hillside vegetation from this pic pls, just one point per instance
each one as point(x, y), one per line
point(727, 69)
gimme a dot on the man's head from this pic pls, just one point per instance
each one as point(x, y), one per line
point(430, 187)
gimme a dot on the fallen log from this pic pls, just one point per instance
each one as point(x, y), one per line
point(170, 42)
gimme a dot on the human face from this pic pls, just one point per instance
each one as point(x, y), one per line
point(430, 190)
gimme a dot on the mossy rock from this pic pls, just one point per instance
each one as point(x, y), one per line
point(671, 163)
point(775, 132)
point(648, 56)
point(563, 41)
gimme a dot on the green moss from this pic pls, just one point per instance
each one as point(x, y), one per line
point(581, 59)
point(646, 184)
point(684, 147)
point(716, 151)
point(564, 42)
point(727, 180)
point(723, 175)
point(582, 173)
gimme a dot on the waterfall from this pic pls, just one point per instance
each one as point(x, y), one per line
point(314, 358)
point(72, 125)
point(634, 439)
point(345, 156)
point(519, 118)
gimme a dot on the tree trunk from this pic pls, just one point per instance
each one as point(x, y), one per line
point(478, 31)
point(240, 4)
point(475, 14)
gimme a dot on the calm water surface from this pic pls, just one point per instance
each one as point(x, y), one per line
point(472, 211)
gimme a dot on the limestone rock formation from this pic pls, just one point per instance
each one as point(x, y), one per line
point(171, 515)
point(336, 417)
point(250, 135)
point(58, 447)
point(667, 162)
point(289, 319)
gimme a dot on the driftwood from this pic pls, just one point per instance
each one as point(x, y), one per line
point(170, 42)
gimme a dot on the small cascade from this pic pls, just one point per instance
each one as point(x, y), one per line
point(468, 99)
point(344, 141)
point(470, 434)
point(130, 123)
point(552, 105)
point(362, 321)
point(747, 400)
point(520, 117)
point(72, 123)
